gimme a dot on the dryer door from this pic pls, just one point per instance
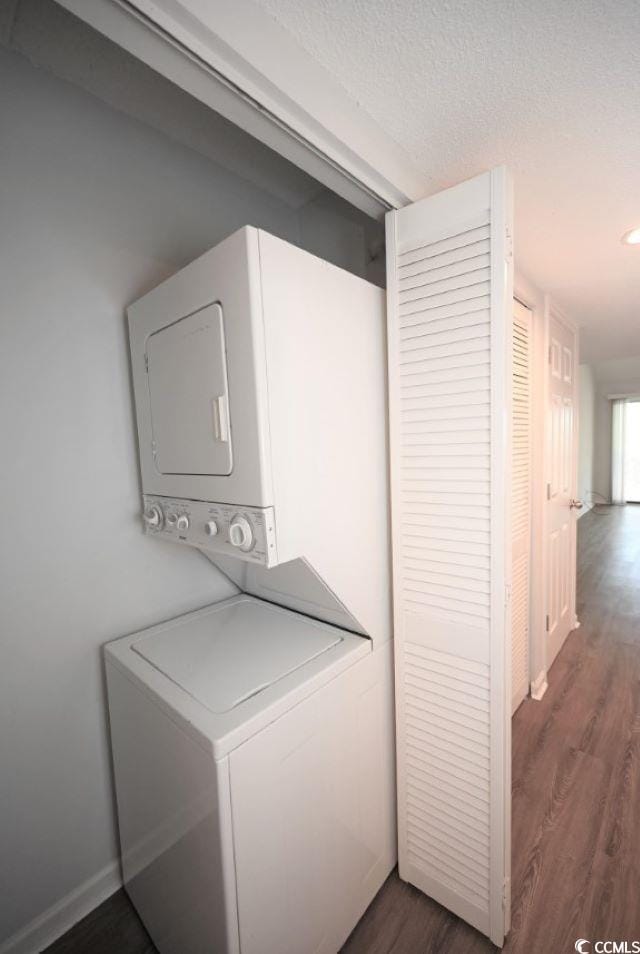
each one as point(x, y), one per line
point(189, 395)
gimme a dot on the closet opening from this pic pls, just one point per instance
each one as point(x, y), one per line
point(113, 180)
point(625, 451)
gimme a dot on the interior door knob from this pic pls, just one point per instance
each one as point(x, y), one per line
point(575, 505)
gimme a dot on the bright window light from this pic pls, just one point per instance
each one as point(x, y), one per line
point(632, 237)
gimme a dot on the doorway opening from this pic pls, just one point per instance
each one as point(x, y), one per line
point(625, 451)
point(632, 452)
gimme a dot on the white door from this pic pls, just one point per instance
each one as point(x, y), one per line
point(450, 305)
point(521, 502)
point(562, 437)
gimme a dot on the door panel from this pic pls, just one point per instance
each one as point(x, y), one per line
point(449, 296)
point(521, 502)
point(190, 413)
point(561, 487)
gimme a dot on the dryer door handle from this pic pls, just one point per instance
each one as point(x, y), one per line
point(220, 419)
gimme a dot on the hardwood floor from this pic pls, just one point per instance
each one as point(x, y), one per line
point(112, 928)
point(576, 792)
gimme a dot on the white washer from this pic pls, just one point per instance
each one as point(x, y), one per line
point(254, 778)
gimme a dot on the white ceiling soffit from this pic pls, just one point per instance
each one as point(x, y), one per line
point(235, 57)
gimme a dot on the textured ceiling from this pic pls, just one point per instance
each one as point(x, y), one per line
point(551, 88)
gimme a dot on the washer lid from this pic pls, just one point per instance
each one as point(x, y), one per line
point(235, 651)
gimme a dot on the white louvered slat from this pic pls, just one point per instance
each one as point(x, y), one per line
point(448, 763)
point(449, 379)
point(521, 503)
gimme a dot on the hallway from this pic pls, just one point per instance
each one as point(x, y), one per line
point(576, 792)
point(576, 782)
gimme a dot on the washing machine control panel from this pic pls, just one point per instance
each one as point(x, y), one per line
point(245, 532)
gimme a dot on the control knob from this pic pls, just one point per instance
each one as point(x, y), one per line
point(211, 528)
point(241, 533)
point(152, 517)
point(182, 523)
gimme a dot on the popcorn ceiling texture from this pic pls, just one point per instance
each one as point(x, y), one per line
point(550, 88)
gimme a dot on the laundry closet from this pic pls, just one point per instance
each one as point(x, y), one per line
point(117, 180)
point(232, 444)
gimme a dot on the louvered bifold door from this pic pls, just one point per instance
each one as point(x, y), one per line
point(521, 503)
point(449, 330)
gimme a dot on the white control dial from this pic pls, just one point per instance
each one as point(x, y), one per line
point(153, 518)
point(182, 523)
point(241, 533)
point(211, 528)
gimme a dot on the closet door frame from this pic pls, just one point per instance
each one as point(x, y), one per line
point(265, 83)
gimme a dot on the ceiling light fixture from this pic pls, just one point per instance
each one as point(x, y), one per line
point(632, 237)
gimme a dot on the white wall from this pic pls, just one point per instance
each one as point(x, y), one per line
point(586, 437)
point(96, 209)
point(616, 376)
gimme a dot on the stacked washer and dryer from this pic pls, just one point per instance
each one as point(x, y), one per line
point(253, 740)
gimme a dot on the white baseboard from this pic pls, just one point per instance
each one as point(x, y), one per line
point(52, 923)
point(538, 688)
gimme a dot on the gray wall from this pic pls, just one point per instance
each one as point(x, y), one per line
point(96, 208)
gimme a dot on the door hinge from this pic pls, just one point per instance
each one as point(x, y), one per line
point(146, 362)
point(546, 625)
point(506, 894)
point(508, 252)
point(548, 491)
point(507, 594)
point(550, 353)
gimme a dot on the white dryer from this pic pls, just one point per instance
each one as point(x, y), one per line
point(259, 373)
point(254, 775)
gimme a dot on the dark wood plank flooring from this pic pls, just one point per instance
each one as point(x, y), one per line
point(576, 792)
